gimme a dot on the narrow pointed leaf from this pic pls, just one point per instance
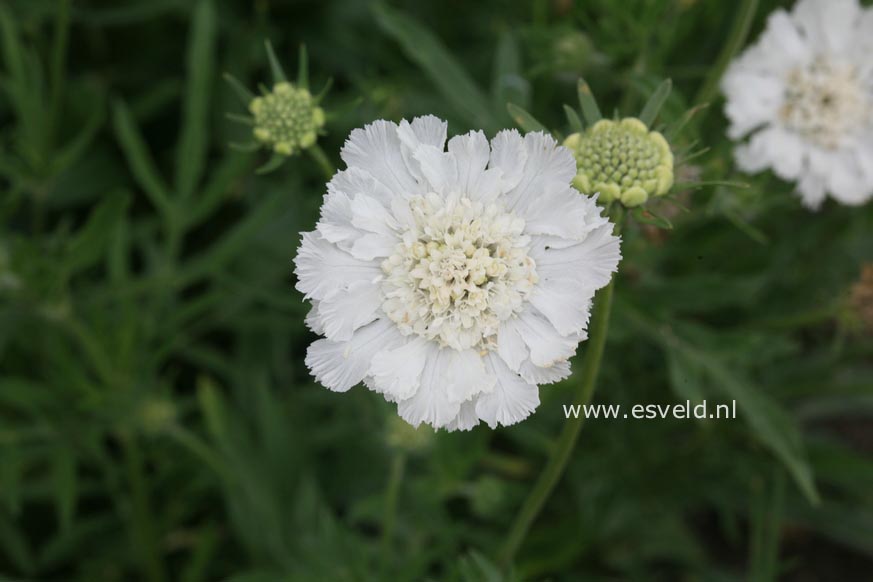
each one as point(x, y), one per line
point(193, 141)
point(139, 158)
point(241, 91)
point(524, 120)
point(573, 119)
point(272, 164)
point(590, 110)
point(275, 67)
point(648, 217)
point(656, 101)
point(303, 68)
point(444, 70)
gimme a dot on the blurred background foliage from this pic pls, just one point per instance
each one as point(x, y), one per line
point(156, 419)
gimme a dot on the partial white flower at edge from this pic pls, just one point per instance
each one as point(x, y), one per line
point(803, 94)
point(452, 282)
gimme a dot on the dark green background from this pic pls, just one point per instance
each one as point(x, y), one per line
point(157, 421)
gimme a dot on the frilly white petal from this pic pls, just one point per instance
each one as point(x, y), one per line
point(323, 269)
point(343, 312)
point(512, 400)
point(396, 372)
point(341, 365)
point(376, 150)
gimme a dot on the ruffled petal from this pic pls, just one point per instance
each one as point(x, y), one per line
point(563, 212)
point(323, 269)
point(512, 400)
point(588, 264)
point(546, 164)
point(466, 419)
point(341, 365)
point(431, 403)
point(509, 156)
point(396, 372)
point(465, 375)
point(376, 150)
point(341, 313)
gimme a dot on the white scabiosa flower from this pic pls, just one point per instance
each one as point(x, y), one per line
point(452, 282)
point(804, 95)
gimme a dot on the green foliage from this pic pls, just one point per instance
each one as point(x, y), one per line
point(157, 421)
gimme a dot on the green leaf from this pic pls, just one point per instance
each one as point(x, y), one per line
point(769, 423)
point(646, 216)
point(65, 486)
point(139, 159)
point(222, 178)
point(276, 70)
point(212, 408)
point(92, 241)
point(509, 84)
point(15, 547)
point(524, 120)
point(656, 101)
point(193, 140)
point(455, 84)
point(766, 521)
point(573, 119)
point(274, 163)
point(590, 110)
point(241, 91)
point(303, 68)
point(686, 379)
point(677, 127)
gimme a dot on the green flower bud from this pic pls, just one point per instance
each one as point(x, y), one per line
point(286, 119)
point(622, 160)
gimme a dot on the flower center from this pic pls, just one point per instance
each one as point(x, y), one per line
point(461, 269)
point(824, 101)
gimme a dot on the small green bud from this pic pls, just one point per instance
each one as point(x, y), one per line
point(286, 119)
point(622, 160)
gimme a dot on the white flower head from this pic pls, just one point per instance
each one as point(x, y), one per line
point(452, 282)
point(804, 96)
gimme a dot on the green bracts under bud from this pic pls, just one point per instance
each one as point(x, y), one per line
point(287, 119)
point(622, 160)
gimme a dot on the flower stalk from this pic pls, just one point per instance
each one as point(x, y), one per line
point(563, 448)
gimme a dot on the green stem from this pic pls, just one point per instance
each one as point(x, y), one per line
point(736, 40)
point(398, 466)
point(143, 527)
point(323, 162)
point(569, 435)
